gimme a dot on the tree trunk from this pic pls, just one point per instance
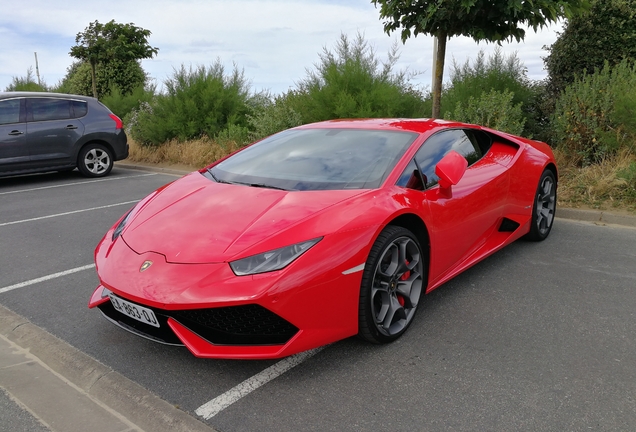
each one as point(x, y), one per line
point(439, 73)
point(94, 79)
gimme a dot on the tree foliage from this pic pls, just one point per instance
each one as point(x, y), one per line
point(115, 47)
point(493, 109)
point(481, 20)
point(201, 101)
point(606, 34)
point(500, 73)
point(596, 115)
point(112, 77)
point(351, 82)
point(269, 116)
point(26, 83)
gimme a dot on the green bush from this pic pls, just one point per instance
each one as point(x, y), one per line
point(353, 83)
point(26, 83)
point(198, 102)
point(628, 175)
point(502, 75)
point(233, 133)
point(594, 116)
point(123, 104)
point(494, 109)
point(270, 117)
point(607, 33)
point(124, 79)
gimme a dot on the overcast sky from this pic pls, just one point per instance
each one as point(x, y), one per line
point(273, 41)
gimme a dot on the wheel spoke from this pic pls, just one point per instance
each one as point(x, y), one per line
point(389, 263)
point(382, 301)
point(394, 312)
point(410, 290)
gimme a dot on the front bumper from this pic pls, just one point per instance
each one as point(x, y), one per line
point(216, 314)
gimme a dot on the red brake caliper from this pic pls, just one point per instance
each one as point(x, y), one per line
point(404, 277)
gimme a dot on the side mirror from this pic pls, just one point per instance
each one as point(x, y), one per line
point(451, 169)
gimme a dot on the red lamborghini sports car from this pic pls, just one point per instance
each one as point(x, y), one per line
point(319, 233)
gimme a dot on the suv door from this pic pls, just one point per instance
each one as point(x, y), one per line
point(52, 132)
point(14, 153)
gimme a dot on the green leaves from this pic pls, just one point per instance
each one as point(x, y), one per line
point(114, 46)
point(494, 21)
point(489, 20)
point(351, 82)
point(493, 109)
point(595, 115)
point(607, 33)
point(201, 101)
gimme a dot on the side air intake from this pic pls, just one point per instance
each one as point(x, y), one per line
point(508, 225)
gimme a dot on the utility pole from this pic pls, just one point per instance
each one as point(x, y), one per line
point(37, 69)
point(434, 59)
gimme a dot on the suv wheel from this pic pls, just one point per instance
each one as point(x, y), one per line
point(95, 160)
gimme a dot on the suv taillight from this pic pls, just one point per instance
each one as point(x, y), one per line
point(118, 123)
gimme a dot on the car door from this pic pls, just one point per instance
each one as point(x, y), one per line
point(52, 132)
point(460, 220)
point(14, 153)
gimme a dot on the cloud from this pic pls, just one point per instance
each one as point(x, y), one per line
point(274, 41)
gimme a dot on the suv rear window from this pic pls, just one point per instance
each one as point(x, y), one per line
point(41, 109)
point(80, 108)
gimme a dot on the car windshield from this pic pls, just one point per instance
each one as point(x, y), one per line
point(317, 159)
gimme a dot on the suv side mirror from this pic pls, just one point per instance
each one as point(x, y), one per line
point(451, 169)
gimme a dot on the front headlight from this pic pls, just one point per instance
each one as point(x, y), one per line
point(272, 260)
point(121, 225)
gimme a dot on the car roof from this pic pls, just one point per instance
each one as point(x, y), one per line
point(27, 94)
point(398, 124)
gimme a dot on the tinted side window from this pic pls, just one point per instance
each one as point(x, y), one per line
point(436, 147)
point(480, 139)
point(9, 111)
point(41, 109)
point(80, 108)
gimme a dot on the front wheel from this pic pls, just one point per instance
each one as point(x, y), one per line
point(392, 284)
point(544, 207)
point(95, 160)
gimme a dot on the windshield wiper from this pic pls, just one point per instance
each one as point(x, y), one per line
point(265, 186)
point(258, 185)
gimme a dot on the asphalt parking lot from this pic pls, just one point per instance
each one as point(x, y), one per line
point(540, 336)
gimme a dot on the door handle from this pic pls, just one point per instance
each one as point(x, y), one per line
point(16, 132)
point(71, 126)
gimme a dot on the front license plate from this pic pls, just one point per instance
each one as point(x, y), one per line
point(134, 311)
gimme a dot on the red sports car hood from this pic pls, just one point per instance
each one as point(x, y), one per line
point(196, 220)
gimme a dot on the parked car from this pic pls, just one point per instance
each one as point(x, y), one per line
point(319, 233)
point(42, 132)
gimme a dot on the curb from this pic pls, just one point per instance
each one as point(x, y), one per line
point(83, 378)
point(596, 216)
point(152, 168)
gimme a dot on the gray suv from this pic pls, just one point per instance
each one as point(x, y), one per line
point(58, 132)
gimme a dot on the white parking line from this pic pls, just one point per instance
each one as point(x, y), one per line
point(75, 184)
point(45, 278)
point(67, 213)
point(218, 404)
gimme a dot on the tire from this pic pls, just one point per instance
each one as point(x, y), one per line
point(544, 207)
point(392, 283)
point(95, 160)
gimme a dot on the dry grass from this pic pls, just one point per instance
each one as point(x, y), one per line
point(194, 154)
point(609, 184)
